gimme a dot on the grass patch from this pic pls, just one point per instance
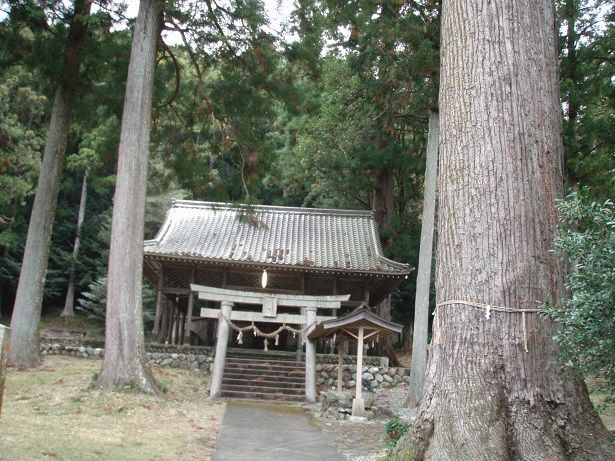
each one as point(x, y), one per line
point(78, 322)
point(603, 402)
point(394, 429)
point(52, 412)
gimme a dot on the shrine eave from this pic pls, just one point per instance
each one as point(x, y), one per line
point(195, 260)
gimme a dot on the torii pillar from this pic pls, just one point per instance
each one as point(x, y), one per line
point(310, 358)
point(221, 344)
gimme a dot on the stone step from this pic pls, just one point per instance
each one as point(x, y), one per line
point(259, 354)
point(264, 372)
point(262, 396)
point(260, 381)
point(274, 378)
point(262, 389)
point(261, 362)
point(263, 368)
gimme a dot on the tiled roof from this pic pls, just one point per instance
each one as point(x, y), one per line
point(361, 317)
point(275, 236)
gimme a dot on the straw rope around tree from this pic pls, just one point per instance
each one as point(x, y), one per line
point(488, 308)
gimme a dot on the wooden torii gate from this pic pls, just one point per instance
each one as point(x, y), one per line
point(269, 314)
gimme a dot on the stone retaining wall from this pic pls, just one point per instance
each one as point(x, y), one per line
point(374, 377)
point(185, 357)
point(199, 357)
point(369, 360)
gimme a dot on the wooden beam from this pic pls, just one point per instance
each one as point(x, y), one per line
point(243, 316)
point(251, 297)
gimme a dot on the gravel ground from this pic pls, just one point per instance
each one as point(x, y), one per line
point(364, 441)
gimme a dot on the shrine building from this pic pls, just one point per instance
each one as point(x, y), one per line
point(265, 272)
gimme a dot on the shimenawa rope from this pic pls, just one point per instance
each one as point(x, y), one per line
point(274, 334)
point(488, 308)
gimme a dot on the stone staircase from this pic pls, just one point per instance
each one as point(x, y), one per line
point(263, 377)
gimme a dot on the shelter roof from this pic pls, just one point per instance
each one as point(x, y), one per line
point(351, 322)
point(273, 236)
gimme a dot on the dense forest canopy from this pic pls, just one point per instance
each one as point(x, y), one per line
point(326, 108)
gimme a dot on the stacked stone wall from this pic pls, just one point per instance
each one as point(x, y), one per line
point(200, 357)
point(185, 357)
point(372, 377)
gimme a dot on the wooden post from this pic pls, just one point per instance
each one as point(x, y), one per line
point(181, 327)
point(189, 311)
point(226, 308)
point(169, 337)
point(358, 406)
point(176, 323)
point(340, 363)
point(5, 333)
point(158, 304)
point(162, 333)
point(310, 358)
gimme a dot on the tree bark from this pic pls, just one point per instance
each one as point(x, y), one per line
point(485, 397)
point(69, 303)
point(125, 361)
point(423, 279)
point(383, 204)
point(383, 199)
point(29, 297)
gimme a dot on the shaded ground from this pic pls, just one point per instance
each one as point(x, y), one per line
point(357, 441)
point(364, 441)
point(606, 407)
point(52, 413)
point(95, 331)
point(253, 431)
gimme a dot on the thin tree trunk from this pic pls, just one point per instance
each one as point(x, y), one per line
point(423, 279)
point(125, 361)
point(69, 304)
point(495, 388)
point(29, 296)
point(571, 11)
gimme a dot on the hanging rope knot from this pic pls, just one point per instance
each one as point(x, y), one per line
point(489, 308)
point(274, 334)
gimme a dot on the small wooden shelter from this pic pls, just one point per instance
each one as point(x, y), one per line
point(360, 324)
point(282, 259)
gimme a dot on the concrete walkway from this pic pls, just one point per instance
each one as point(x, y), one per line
point(254, 432)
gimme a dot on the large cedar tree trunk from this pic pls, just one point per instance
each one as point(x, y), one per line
point(125, 361)
point(485, 397)
point(29, 296)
